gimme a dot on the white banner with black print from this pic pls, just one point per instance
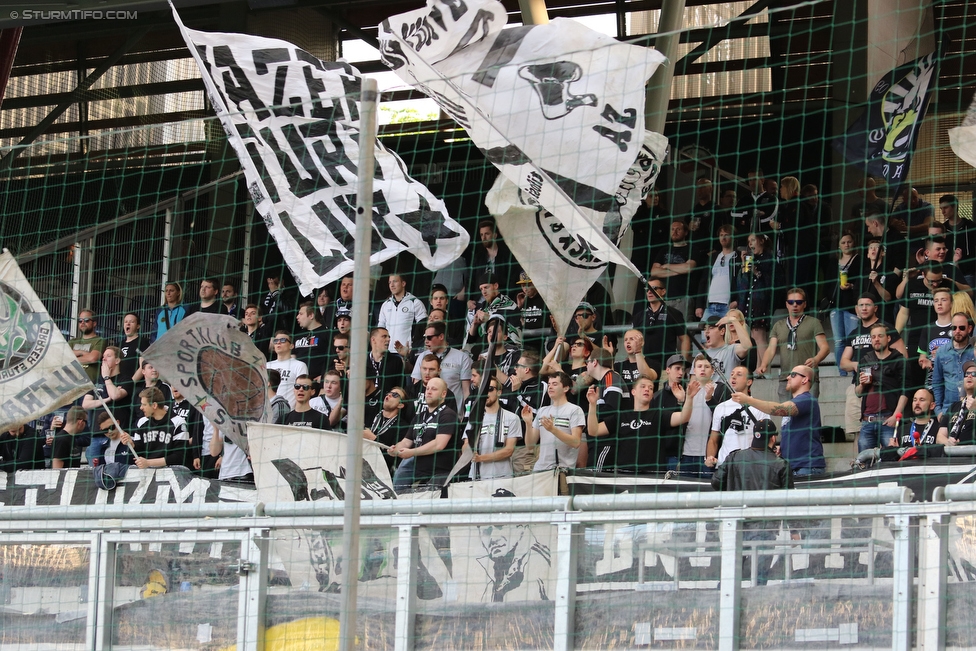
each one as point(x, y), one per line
point(293, 121)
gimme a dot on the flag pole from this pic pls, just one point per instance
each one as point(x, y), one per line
point(357, 366)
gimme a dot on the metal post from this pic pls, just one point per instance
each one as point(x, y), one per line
point(658, 92)
point(534, 12)
point(246, 269)
point(75, 289)
point(357, 366)
point(94, 572)
point(901, 597)
point(253, 591)
point(406, 603)
point(167, 250)
point(564, 632)
point(730, 586)
point(104, 605)
point(933, 561)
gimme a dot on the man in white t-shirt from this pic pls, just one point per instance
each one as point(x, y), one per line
point(289, 367)
point(329, 401)
point(731, 428)
point(234, 464)
point(500, 430)
point(557, 427)
point(400, 312)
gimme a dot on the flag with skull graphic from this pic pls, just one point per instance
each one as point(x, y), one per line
point(557, 108)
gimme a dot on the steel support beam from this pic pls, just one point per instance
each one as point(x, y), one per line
point(408, 559)
point(902, 587)
point(933, 537)
point(564, 631)
point(73, 97)
point(534, 12)
point(730, 585)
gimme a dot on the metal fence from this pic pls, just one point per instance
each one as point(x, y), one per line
point(897, 600)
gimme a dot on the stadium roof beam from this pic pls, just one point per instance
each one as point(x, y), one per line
point(715, 36)
point(72, 98)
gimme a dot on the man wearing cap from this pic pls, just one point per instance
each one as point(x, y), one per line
point(801, 444)
point(960, 236)
point(956, 425)
point(585, 320)
point(670, 400)
point(496, 303)
point(948, 363)
point(535, 313)
point(400, 312)
point(725, 356)
point(662, 327)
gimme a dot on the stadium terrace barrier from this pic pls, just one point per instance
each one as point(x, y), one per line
point(115, 537)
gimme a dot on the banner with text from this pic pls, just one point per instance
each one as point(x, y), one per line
point(293, 121)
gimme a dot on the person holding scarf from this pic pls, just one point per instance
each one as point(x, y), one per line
point(801, 341)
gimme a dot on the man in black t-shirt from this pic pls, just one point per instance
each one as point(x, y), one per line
point(312, 341)
point(662, 326)
point(604, 398)
point(160, 438)
point(208, 298)
point(130, 347)
point(637, 365)
point(676, 264)
point(303, 415)
point(116, 390)
point(430, 443)
point(21, 448)
point(636, 447)
point(62, 447)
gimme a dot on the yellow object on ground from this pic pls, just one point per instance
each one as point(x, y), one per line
point(309, 634)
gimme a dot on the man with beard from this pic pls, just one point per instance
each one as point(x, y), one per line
point(500, 430)
point(732, 429)
point(801, 445)
point(115, 390)
point(131, 346)
point(386, 427)
point(956, 426)
point(947, 364)
point(88, 346)
point(920, 430)
point(881, 378)
point(430, 442)
point(160, 439)
point(230, 302)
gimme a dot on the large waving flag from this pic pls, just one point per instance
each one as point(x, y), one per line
point(557, 108)
point(567, 270)
point(293, 121)
point(882, 140)
point(38, 371)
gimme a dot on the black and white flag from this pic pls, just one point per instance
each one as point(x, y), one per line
point(293, 121)
point(882, 140)
point(569, 270)
point(38, 370)
point(557, 108)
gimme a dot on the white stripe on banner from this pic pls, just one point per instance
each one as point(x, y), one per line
point(293, 121)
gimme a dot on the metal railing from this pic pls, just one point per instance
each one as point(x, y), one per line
point(106, 528)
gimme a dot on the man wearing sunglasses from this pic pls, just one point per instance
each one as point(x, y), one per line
point(289, 367)
point(88, 346)
point(303, 415)
point(455, 367)
point(800, 339)
point(800, 442)
point(949, 361)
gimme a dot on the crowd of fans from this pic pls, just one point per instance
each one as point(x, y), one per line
point(473, 362)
